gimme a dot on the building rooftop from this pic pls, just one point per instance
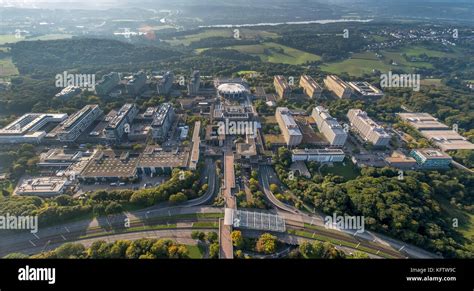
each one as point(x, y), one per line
point(448, 139)
point(41, 186)
point(366, 89)
point(154, 156)
point(432, 153)
point(111, 163)
point(318, 152)
point(422, 121)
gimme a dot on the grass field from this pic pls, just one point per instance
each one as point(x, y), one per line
point(10, 38)
point(7, 68)
point(346, 169)
point(195, 252)
point(228, 32)
point(277, 53)
point(366, 62)
point(465, 219)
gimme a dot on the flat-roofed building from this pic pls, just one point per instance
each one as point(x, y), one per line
point(68, 92)
point(195, 152)
point(233, 112)
point(70, 129)
point(368, 129)
point(59, 158)
point(165, 84)
point(282, 88)
point(329, 127)
point(365, 90)
point(318, 155)
point(194, 83)
point(136, 83)
point(447, 140)
point(42, 186)
point(310, 87)
point(401, 161)
point(110, 165)
point(155, 161)
point(107, 83)
point(122, 122)
point(422, 121)
point(431, 158)
point(163, 121)
point(288, 126)
point(28, 128)
point(336, 85)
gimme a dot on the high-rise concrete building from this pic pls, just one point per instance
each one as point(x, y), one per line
point(162, 122)
point(367, 128)
point(70, 129)
point(329, 127)
point(281, 87)
point(165, 84)
point(136, 83)
point(310, 87)
point(122, 122)
point(107, 83)
point(288, 126)
point(340, 88)
point(194, 83)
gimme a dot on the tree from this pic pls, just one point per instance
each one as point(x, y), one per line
point(273, 188)
point(199, 235)
point(178, 198)
point(237, 239)
point(212, 237)
point(214, 250)
point(113, 208)
point(266, 244)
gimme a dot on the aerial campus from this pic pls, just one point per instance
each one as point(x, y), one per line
point(260, 158)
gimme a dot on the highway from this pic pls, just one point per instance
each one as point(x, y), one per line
point(292, 214)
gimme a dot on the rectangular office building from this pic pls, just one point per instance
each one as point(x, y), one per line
point(70, 129)
point(367, 128)
point(329, 127)
point(318, 155)
point(288, 126)
point(281, 87)
point(310, 87)
point(340, 88)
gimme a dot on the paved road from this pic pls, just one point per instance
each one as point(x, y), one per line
point(225, 241)
point(291, 213)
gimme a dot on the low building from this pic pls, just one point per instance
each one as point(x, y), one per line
point(365, 90)
point(422, 121)
point(288, 126)
point(281, 87)
point(318, 155)
point(310, 87)
point(156, 161)
point(110, 165)
point(340, 88)
point(42, 187)
point(431, 158)
point(447, 140)
point(29, 128)
point(401, 161)
point(329, 127)
point(68, 92)
point(59, 158)
point(368, 129)
point(247, 151)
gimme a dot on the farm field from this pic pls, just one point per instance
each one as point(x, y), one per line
point(244, 34)
point(7, 68)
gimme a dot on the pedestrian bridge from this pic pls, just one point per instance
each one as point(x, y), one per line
point(254, 220)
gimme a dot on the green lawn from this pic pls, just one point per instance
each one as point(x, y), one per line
point(356, 67)
point(221, 32)
point(277, 53)
point(205, 224)
point(195, 252)
point(346, 169)
point(10, 38)
point(7, 68)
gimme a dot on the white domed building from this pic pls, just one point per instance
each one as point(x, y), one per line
point(232, 91)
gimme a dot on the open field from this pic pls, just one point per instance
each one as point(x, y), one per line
point(7, 68)
point(277, 53)
point(345, 169)
point(10, 38)
point(224, 32)
point(356, 67)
